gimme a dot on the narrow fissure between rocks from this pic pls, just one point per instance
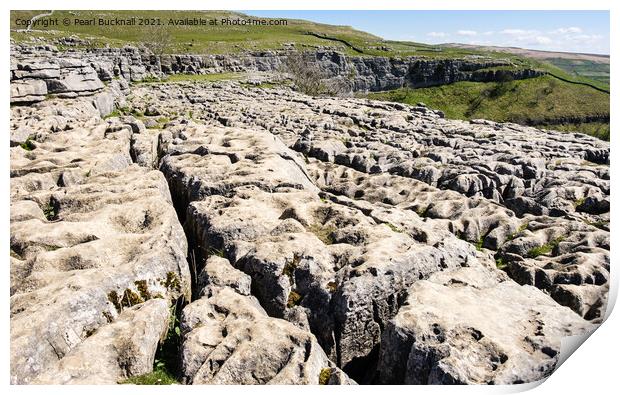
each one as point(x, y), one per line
point(168, 355)
point(363, 369)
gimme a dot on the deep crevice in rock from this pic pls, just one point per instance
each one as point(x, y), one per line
point(363, 369)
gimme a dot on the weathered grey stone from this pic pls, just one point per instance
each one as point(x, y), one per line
point(229, 339)
point(117, 351)
point(82, 80)
point(104, 102)
point(218, 273)
point(474, 326)
point(28, 91)
point(78, 260)
point(311, 218)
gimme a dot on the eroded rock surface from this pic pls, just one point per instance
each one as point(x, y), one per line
point(532, 197)
point(305, 240)
point(346, 265)
point(122, 349)
point(82, 72)
point(230, 339)
point(474, 326)
point(91, 235)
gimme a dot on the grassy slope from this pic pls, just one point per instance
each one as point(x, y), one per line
point(535, 101)
point(583, 68)
point(227, 39)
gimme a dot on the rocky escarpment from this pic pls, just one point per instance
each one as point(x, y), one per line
point(38, 71)
point(303, 240)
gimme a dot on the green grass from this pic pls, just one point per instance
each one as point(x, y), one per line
point(159, 376)
point(165, 367)
point(201, 39)
point(216, 39)
point(50, 212)
point(579, 202)
point(394, 228)
point(324, 376)
point(323, 233)
point(479, 243)
point(535, 101)
point(114, 113)
point(500, 264)
point(583, 68)
point(28, 145)
point(544, 249)
point(596, 129)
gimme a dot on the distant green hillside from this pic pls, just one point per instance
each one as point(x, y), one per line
point(543, 101)
point(583, 68)
point(228, 39)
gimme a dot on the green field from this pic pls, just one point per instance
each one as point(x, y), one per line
point(583, 68)
point(194, 78)
point(541, 101)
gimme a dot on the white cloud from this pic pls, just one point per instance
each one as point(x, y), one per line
point(542, 40)
point(480, 42)
point(571, 38)
point(584, 38)
point(523, 37)
point(515, 32)
point(467, 33)
point(565, 30)
point(438, 34)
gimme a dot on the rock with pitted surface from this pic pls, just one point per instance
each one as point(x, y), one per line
point(91, 235)
point(313, 240)
point(228, 338)
point(505, 177)
point(474, 326)
point(116, 351)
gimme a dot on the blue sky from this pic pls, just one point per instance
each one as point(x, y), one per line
point(570, 31)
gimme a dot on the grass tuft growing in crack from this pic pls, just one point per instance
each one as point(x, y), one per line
point(394, 228)
point(28, 145)
point(293, 299)
point(166, 367)
point(159, 376)
point(579, 202)
point(324, 376)
point(289, 268)
point(50, 211)
point(479, 243)
point(544, 249)
point(323, 233)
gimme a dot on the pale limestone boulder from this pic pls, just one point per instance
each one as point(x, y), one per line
point(28, 91)
point(218, 273)
point(475, 326)
point(229, 339)
point(115, 352)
